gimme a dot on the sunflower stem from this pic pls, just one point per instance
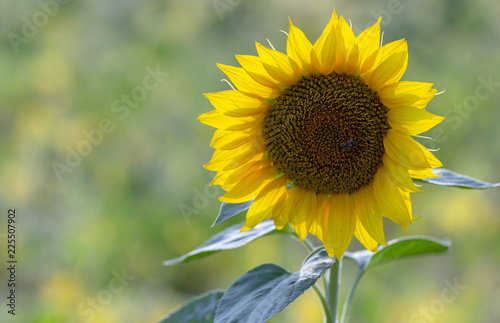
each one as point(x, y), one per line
point(321, 296)
point(348, 302)
point(332, 290)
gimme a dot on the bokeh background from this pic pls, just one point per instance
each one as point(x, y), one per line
point(139, 195)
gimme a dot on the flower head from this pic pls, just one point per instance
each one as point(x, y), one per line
point(331, 120)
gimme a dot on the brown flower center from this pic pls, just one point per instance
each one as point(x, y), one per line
point(326, 133)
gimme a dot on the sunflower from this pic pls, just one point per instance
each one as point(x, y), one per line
point(322, 137)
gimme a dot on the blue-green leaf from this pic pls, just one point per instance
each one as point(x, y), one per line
point(396, 249)
point(228, 210)
point(197, 310)
point(399, 248)
point(361, 257)
point(265, 290)
point(449, 178)
point(229, 238)
point(409, 247)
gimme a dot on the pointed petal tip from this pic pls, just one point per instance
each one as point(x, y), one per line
point(245, 228)
point(334, 13)
point(210, 94)
point(259, 46)
point(440, 118)
point(278, 225)
point(329, 250)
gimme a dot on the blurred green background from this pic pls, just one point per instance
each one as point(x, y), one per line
point(120, 208)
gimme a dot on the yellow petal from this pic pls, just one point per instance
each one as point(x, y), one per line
point(389, 71)
point(412, 120)
point(299, 49)
point(402, 149)
point(422, 173)
point(234, 176)
point(221, 158)
point(318, 224)
point(225, 140)
point(406, 94)
point(246, 83)
point(379, 55)
point(369, 214)
point(254, 153)
point(365, 239)
point(250, 186)
point(368, 42)
point(385, 65)
point(218, 120)
point(325, 48)
point(281, 67)
point(341, 223)
point(227, 178)
point(433, 161)
point(281, 219)
point(347, 54)
point(237, 104)
point(424, 99)
point(219, 178)
point(262, 207)
point(399, 174)
point(391, 199)
point(253, 66)
point(230, 159)
point(301, 209)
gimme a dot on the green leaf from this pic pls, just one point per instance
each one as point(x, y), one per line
point(229, 238)
point(409, 247)
point(397, 249)
point(197, 310)
point(228, 210)
point(449, 178)
point(264, 291)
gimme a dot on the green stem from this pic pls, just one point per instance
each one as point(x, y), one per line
point(328, 318)
point(348, 302)
point(332, 290)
